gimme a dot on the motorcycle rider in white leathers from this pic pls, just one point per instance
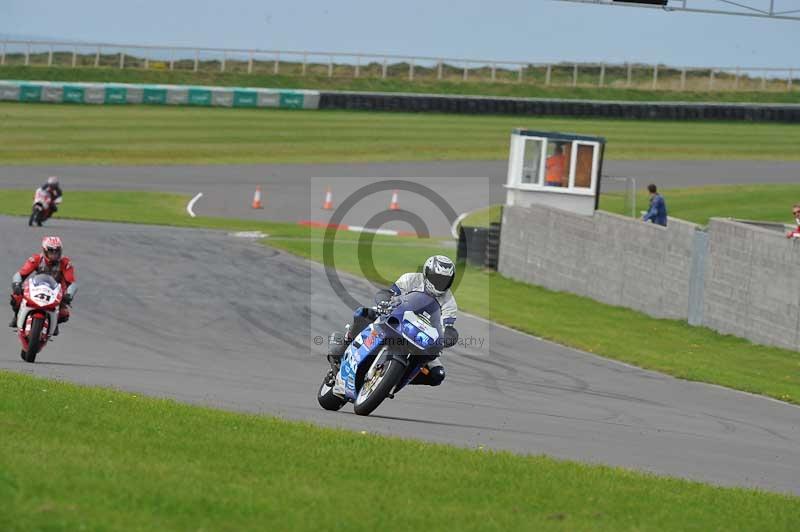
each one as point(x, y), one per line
point(435, 280)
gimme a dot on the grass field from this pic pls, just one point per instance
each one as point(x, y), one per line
point(398, 84)
point(771, 203)
point(69, 134)
point(670, 346)
point(75, 458)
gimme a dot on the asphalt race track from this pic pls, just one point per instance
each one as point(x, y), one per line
point(207, 318)
point(295, 192)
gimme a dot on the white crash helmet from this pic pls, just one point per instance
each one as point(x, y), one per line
point(439, 272)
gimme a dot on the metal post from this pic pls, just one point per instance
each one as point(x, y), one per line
point(384, 69)
point(250, 62)
point(74, 56)
point(305, 62)
point(736, 80)
point(548, 74)
point(358, 66)
point(789, 81)
point(276, 67)
point(97, 58)
point(146, 63)
point(494, 72)
point(411, 70)
point(630, 75)
point(171, 59)
point(439, 70)
point(3, 54)
point(222, 64)
point(122, 60)
point(764, 81)
point(575, 75)
point(683, 78)
point(50, 56)
point(330, 66)
point(196, 59)
point(465, 77)
point(519, 78)
point(28, 55)
point(711, 79)
point(602, 74)
point(655, 76)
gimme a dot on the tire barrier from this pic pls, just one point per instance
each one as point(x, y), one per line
point(123, 93)
point(573, 108)
point(479, 246)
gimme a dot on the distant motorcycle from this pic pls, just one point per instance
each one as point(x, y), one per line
point(387, 355)
point(42, 207)
point(38, 314)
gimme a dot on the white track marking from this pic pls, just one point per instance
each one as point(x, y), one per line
point(454, 227)
point(190, 205)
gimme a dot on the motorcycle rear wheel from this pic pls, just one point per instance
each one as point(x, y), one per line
point(34, 340)
point(390, 375)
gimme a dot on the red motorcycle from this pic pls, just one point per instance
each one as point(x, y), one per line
point(42, 207)
point(38, 314)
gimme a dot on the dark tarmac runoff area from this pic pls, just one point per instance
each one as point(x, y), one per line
point(208, 318)
point(296, 192)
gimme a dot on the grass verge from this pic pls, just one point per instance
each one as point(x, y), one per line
point(770, 203)
point(86, 134)
point(669, 346)
point(75, 458)
point(347, 83)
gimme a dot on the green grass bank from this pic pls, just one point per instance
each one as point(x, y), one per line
point(138, 135)
point(344, 81)
point(77, 458)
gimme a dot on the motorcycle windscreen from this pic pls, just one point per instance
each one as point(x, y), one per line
point(423, 305)
point(44, 279)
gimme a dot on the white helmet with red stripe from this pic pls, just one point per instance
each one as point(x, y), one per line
point(51, 249)
point(52, 180)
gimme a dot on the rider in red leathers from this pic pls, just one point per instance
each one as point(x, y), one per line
point(51, 262)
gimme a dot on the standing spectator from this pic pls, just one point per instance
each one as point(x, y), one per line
point(554, 166)
point(796, 212)
point(658, 208)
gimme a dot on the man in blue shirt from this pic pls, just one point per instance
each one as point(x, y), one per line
point(658, 209)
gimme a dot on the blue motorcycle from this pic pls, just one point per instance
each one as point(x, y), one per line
point(384, 357)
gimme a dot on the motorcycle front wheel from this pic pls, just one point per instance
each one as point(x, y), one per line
point(34, 339)
point(34, 217)
point(325, 395)
point(387, 374)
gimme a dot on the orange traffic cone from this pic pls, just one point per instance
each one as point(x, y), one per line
point(395, 204)
point(328, 203)
point(257, 198)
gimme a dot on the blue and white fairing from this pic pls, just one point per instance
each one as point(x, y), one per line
point(415, 322)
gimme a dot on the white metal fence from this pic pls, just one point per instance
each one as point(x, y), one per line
point(390, 66)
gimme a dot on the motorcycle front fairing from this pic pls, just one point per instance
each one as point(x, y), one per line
point(413, 324)
point(42, 294)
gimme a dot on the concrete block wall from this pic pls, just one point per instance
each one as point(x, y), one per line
point(610, 258)
point(752, 284)
point(739, 278)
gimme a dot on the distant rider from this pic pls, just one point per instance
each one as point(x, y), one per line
point(435, 280)
point(53, 188)
point(49, 261)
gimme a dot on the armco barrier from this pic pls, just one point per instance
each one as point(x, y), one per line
point(120, 93)
point(546, 107)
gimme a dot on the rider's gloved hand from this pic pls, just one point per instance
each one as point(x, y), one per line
point(16, 288)
point(67, 300)
point(450, 336)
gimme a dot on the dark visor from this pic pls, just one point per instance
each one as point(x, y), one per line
point(440, 282)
